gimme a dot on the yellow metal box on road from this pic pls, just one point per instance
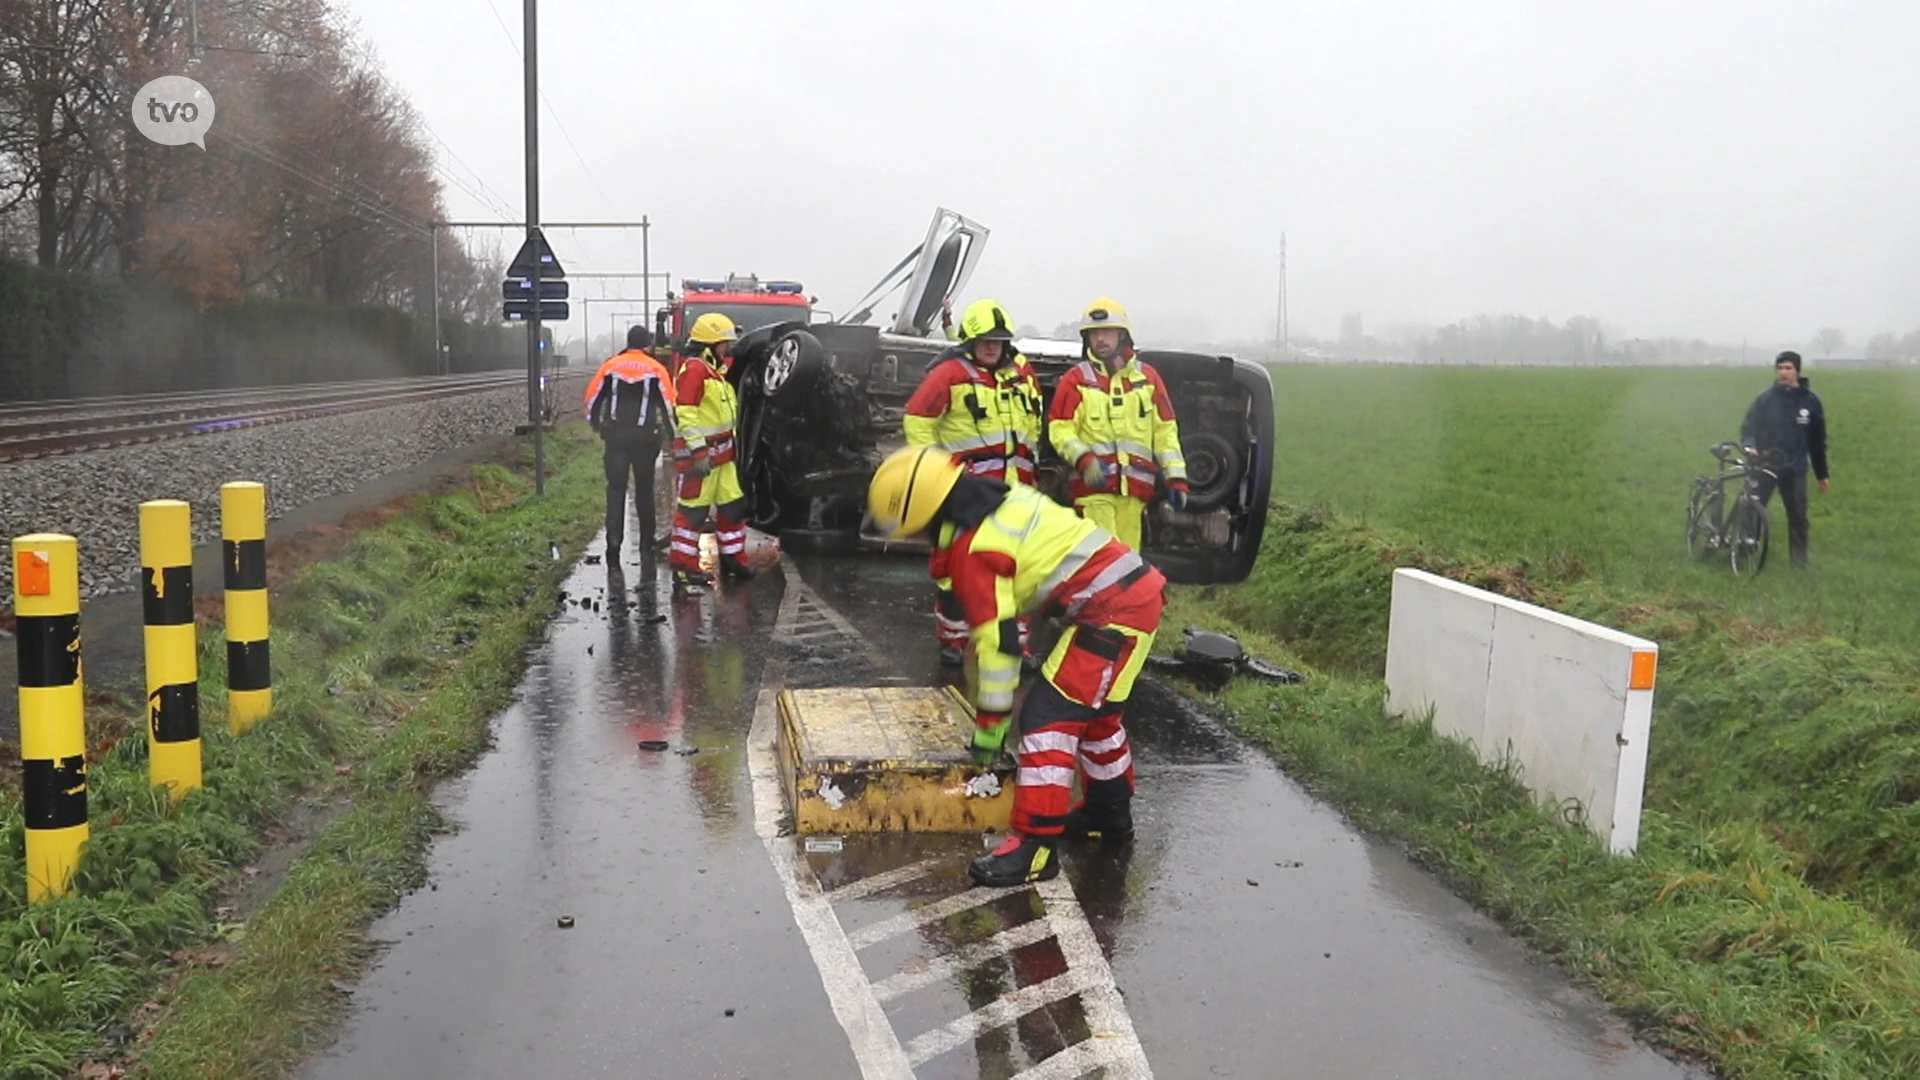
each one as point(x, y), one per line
point(886, 759)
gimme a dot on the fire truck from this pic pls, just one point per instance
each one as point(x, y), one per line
point(744, 298)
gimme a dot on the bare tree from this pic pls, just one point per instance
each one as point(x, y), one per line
point(1828, 340)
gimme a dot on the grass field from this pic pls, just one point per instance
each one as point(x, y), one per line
point(1593, 466)
point(1770, 923)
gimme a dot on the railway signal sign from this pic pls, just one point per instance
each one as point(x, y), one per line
point(534, 277)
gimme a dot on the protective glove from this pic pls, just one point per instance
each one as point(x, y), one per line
point(989, 737)
point(700, 467)
point(1177, 495)
point(1093, 472)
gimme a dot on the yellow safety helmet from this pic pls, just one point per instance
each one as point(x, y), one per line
point(1105, 314)
point(909, 486)
point(986, 319)
point(712, 329)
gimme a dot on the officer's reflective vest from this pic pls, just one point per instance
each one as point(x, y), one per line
point(1125, 419)
point(1030, 556)
point(627, 381)
point(706, 412)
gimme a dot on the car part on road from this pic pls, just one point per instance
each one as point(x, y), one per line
point(1212, 659)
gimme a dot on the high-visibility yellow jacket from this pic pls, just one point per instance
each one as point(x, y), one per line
point(628, 389)
point(706, 411)
point(1030, 556)
point(1124, 418)
point(988, 418)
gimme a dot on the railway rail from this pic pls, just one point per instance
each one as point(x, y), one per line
point(46, 429)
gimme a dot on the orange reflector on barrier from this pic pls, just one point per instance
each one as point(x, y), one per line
point(33, 570)
point(1640, 674)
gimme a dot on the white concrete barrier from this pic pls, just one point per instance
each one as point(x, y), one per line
point(1570, 702)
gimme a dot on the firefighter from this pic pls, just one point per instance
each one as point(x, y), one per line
point(630, 404)
point(711, 498)
point(979, 402)
point(1012, 551)
point(1113, 422)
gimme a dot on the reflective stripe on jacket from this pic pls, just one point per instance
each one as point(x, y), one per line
point(989, 419)
point(624, 389)
point(1030, 556)
point(1124, 419)
point(705, 410)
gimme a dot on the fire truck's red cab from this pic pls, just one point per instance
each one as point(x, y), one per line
point(748, 301)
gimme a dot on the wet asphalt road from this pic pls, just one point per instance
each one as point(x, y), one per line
point(1249, 932)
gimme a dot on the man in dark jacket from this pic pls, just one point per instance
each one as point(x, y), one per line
point(1787, 418)
point(630, 403)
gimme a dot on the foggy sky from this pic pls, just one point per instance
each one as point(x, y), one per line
point(1727, 170)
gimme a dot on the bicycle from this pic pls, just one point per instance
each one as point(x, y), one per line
point(1741, 532)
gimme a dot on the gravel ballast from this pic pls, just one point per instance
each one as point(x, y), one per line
point(96, 495)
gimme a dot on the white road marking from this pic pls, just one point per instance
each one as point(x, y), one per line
point(908, 921)
point(1106, 1011)
point(867, 886)
point(1006, 941)
point(875, 1047)
point(1005, 1010)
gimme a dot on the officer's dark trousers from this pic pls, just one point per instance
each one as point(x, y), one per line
point(1793, 493)
point(631, 451)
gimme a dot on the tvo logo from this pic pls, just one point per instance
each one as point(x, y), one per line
point(174, 110)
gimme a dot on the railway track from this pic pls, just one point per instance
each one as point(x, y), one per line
point(46, 429)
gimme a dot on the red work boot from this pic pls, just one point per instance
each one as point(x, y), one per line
point(1019, 860)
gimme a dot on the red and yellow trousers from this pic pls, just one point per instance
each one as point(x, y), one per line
point(1071, 724)
point(712, 503)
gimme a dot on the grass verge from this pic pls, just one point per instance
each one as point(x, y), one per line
point(389, 661)
point(1734, 936)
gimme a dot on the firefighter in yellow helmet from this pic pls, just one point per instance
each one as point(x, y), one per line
point(1014, 552)
point(711, 498)
point(981, 403)
point(1112, 422)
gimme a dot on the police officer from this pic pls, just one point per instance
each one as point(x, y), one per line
point(1113, 423)
point(980, 403)
point(630, 403)
point(1013, 552)
point(711, 498)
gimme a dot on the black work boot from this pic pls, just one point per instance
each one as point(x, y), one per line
point(1019, 860)
point(736, 569)
point(951, 656)
point(1109, 822)
point(690, 582)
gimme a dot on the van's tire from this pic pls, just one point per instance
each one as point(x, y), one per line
point(1214, 469)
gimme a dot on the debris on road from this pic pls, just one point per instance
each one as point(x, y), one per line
point(1211, 659)
point(566, 922)
point(653, 744)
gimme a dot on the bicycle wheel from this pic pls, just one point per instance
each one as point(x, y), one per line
point(1747, 538)
point(1696, 523)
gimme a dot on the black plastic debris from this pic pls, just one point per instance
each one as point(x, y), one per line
point(591, 560)
point(566, 922)
point(655, 745)
point(1211, 659)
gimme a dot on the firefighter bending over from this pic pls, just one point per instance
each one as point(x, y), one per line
point(981, 403)
point(711, 498)
point(1113, 422)
point(630, 404)
point(1013, 552)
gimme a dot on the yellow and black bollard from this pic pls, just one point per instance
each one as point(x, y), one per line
point(53, 727)
point(173, 668)
point(243, 530)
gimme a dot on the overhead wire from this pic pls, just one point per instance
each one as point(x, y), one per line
point(514, 43)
